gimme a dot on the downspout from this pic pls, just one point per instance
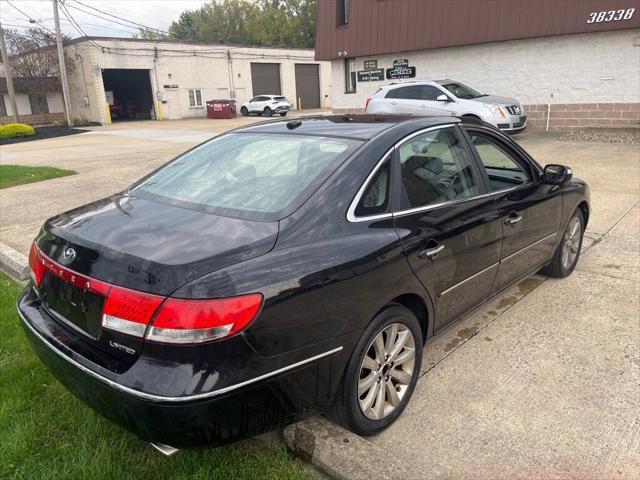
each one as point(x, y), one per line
point(232, 90)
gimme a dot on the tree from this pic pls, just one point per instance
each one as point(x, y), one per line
point(33, 53)
point(261, 22)
point(147, 33)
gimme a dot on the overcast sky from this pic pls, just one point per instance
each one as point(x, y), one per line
point(153, 13)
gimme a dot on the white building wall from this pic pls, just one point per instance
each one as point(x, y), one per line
point(55, 102)
point(586, 68)
point(175, 64)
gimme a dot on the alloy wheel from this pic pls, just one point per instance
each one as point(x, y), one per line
point(571, 243)
point(386, 371)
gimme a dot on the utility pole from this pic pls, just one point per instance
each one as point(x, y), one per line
point(62, 67)
point(8, 74)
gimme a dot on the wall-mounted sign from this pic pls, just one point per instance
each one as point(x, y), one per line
point(611, 15)
point(370, 64)
point(373, 75)
point(401, 62)
point(401, 72)
point(170, 86)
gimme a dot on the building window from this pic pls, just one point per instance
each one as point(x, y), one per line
point(38, 103)
point(3, 107)
point(195, 98)
point(342, 11)
point(349, 75)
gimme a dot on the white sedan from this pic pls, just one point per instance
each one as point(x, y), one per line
point(266, 105)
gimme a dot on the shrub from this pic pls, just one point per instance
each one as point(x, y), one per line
point(11, 130)
point(56, 123)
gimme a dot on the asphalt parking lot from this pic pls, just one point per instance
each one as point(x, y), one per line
point(542, 382)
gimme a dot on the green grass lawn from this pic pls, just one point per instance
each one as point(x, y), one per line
point(12, 175)
point(46, 433)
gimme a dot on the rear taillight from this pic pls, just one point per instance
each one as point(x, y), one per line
point(36, 266)
point(162, 319)
point(367, 103)
point(194, 321)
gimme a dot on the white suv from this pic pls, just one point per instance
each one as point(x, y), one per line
point(448, 97)
point(266, 105)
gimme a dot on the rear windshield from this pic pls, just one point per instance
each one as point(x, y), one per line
point(258, 176)
point(278, 98)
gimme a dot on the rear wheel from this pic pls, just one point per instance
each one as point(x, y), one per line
point(267, 112)
point(244, 112)
point(567, 253)
point(382, 373)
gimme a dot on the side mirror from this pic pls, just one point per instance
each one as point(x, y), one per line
point(554, 174)
point(442, 98)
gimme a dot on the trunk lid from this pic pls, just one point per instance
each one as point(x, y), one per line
point(141, 245)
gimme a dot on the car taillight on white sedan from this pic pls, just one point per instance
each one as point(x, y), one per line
point(155, 317)
point(367, 103)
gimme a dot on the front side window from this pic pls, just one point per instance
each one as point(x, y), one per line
point(435, 169)
point(501, 167)
point(195, 98)
point(251, 175)
point(349, 75)
point(38, 103)
point(463, 91)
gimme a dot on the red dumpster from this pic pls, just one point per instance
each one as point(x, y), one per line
point(221, 108)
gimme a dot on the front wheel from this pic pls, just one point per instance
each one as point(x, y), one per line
point(567, 253)
point(268, 112)
point(381, 374)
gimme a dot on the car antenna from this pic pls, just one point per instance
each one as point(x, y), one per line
point(294, 124)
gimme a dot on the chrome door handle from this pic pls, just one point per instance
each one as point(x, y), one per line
point(423, 106)
point(513, 219)
point(431, 253)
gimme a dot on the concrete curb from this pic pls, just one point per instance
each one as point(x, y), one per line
point(339, 453)
point(13, 262)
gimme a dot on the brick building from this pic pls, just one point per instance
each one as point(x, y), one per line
point(574, 63)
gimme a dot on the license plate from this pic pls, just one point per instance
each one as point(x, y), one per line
point(74, 304)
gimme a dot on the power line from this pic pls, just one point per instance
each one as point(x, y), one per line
point(75, 24)
point(31, 19)
point(120, 18)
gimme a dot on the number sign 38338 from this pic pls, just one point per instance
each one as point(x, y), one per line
point(611, 15)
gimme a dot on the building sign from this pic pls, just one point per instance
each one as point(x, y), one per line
point(611, 15)
point(373, 75)
point(370, 64)
point(169, 87)
point(401, 69)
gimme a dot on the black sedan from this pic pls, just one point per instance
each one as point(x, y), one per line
point(290, 267)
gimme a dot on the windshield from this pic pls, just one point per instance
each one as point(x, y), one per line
point(463, 91)
point(256, 175)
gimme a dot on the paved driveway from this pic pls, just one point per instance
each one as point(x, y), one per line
point(543, 382)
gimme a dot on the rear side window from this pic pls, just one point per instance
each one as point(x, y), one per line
point(258, 175)
point(435, 169)
point(376, 197)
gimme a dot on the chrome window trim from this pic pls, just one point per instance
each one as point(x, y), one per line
point(161, 398)
point(518, 252)
point(462, 282)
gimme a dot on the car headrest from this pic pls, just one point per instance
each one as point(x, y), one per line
point(433, 164)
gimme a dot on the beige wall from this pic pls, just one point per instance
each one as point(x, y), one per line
point(209, 70)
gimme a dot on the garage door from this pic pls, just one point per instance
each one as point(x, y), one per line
point(265, 78)
point(308, 85)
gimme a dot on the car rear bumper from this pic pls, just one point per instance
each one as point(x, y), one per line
point(213, 417)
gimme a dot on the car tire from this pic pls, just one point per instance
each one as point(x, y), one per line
point(267, 112)
point(364, 370)
point(567, 253)
point(283, 114)
point(244, 112)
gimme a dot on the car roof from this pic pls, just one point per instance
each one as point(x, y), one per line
point(358, 126)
